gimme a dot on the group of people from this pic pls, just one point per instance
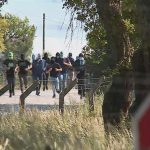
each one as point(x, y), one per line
point(57, 69)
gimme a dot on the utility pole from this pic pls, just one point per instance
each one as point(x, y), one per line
point(43, 33)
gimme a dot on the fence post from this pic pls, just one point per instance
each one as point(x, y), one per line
point(4, 89)
point(63, 94)
point(26, 93)
point(91, 94)
point(61, 102)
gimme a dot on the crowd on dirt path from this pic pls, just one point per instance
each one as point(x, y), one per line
point(59, 70)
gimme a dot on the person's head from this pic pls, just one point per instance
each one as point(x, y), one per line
point(57, 55)
point(77, 57)
point(52, 59)
point(38, 56)
point(22, 56)
point(45, 55)
point(10, 55)
point(70, 55)
point(61, 54)
point(81, 55)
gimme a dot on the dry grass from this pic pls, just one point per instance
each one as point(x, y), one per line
point(76, 130)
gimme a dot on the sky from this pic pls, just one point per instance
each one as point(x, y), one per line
point(56, 24)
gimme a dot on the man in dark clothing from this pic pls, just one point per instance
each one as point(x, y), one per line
point(37, 71)
point(45, 75)
point(59, 60)
point(80, 69)
point(23, 66)
point(64, 63)
point(71, 58)
point(54, 69)
point(10, 67)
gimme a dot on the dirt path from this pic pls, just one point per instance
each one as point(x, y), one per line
point(45, 98)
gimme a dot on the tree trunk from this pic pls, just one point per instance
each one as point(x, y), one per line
point(141, 61)
point(118, 97)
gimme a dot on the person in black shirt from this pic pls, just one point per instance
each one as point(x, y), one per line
point(80, 69)
point(54, 69)
point(10, 68)
point(65, 64)
point(45, 75)
point(23, 66)
point(37, 72)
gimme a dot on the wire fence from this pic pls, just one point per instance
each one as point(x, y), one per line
point(88, 83)
point(73, 97)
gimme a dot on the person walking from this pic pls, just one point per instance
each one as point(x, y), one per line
point(64, 63)
point(45, 74)
point(10, 68)
point(23, 66)
point(37, 72)
point(54, 69)
point(80, 69)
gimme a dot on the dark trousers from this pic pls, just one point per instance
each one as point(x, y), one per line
point(23, 81)
point(11, 85)
point(45, 80)
point(81, 86)
point(38, 78)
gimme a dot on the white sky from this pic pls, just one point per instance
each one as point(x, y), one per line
point(55, 32)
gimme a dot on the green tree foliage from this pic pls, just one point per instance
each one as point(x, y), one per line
point(97, 51)
point(113, 44)
point(20, 35)
point(3, 28)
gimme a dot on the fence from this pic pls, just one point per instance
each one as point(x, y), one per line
point(91, 85)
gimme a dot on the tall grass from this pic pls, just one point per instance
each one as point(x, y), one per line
point(75, 130)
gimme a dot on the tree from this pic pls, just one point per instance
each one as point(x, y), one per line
point(20, 35)
point(96, 52)
point(114, 16)
point(118, 97)
point(141, 61)
point(3, 28)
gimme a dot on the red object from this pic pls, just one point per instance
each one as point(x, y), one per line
point(142, 122)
